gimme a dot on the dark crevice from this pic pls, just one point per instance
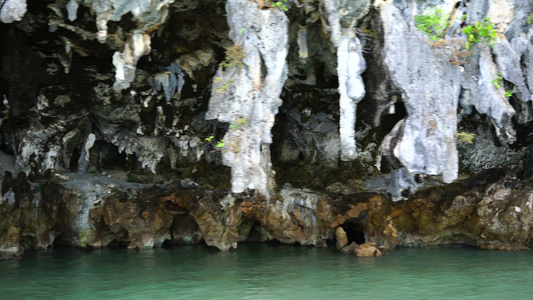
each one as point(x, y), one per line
point(355, 231)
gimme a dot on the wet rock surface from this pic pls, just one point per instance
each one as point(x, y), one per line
point(492, 210)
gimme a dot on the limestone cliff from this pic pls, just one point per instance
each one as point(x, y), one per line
point(307, 102)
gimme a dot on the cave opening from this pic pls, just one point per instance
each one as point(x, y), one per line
point(61, 241)
point(110, 156)
point(184, 228)
point(355, 231)
point(74, 159)
point(257, 233)
point(167, 244)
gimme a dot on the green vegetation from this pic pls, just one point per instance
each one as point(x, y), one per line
point(433, 24)
point(497, 80)
point(238, 122)
point(233, 144)
point(225, 86)
point(465, 137)
point(530, 19)
point(368, 32)
point(279, 4)
point(508, 93)
point(498, 84)
point(480, 32)
point(234, 60)
point(219, 144)
point(234, 57)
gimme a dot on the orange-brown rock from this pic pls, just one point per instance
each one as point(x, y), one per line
point(493, 210)
point(367, 249)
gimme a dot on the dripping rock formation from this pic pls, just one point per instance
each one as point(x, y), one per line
point(357, 123)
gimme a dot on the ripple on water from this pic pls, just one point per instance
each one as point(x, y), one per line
point(263, 271)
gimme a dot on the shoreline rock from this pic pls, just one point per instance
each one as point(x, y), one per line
point(492, 210)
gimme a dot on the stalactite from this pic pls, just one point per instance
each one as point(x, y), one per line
point(350, 65)
point(246, 91)
point(149, 15)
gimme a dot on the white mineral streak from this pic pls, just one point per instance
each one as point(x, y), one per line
point(12, 10)
point(350, 65)
point(72, 9)
point(91, 138)
point(430, 93)
point(126, 62)
point(251, 93)
point(302, 42)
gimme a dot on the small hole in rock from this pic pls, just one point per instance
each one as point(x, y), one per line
point(355, 232)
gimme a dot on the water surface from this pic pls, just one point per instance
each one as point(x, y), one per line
point(262, 271)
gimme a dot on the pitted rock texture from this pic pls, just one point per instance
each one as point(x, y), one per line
point(492, 210)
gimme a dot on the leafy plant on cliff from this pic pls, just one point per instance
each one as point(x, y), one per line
point(232, 145)
point(498, 84)
point(433, 24)
point(496, 81)
point(508, 93)
point(465, 137)
point(234, 57)
point(234, 60)
point(219, 144)
point(481, 32)
point(278, 4)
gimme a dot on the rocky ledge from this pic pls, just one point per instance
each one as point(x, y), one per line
point(492, 210)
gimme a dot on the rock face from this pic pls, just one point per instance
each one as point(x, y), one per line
point(246, 92)
point(492, 210)
point(119, 119)
point(430, 87)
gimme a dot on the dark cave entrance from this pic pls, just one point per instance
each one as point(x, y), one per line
point(355, 231)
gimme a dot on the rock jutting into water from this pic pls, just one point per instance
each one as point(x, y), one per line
point(492, 210)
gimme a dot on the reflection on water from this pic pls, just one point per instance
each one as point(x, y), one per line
point(260, 271)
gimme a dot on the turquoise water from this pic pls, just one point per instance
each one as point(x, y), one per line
point(260, 271)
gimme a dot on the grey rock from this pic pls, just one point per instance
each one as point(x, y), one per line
point(430, 92)
point(188, 183)
point(248, 97)
point(12, 10)
point(509, 65)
